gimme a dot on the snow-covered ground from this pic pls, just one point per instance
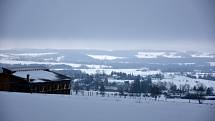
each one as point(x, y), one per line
point(212, 63)
point(157, 54)
point(8, 61)
point(33, 54)
point(104, 57)
point(127, 71)
point(203, 55)
point(41, 107)
point(168, 77)
point(181, 80)
point(118, 80)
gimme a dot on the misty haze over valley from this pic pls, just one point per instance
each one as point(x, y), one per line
point(107, 60)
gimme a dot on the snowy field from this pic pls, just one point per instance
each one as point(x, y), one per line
point(181, 80)
point(75, 65)
point(104, 57)
point(40, 107)
point(157, 54)
point(127, 71)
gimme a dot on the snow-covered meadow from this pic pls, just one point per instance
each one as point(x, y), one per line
point(75, 65)
point(127, 71)
point(41, 107)
point(104, 57)
point(180, 80)
point(157, 54)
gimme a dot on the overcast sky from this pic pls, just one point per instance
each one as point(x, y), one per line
point(108, 24)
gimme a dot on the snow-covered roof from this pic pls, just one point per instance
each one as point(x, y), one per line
point(41, 76)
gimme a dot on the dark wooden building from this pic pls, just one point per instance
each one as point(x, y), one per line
point(34, 80)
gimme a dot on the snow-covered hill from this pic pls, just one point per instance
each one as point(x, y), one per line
point(127, 71)
point(180, 80)
point(40, 107)
point(106, 59)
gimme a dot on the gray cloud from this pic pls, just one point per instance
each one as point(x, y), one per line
point(141, 23)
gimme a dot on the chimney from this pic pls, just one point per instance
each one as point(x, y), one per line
point(28, 78)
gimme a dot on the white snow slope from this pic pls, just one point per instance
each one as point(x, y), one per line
point(39, 107)
point(127, 71)
point(157, 54)
point(104, 57)
point(181, 80)
point(5, 61)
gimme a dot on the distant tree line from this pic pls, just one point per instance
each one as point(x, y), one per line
point(140, 86)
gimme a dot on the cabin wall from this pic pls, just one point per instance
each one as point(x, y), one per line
point(12, 83)
point(56, 87)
